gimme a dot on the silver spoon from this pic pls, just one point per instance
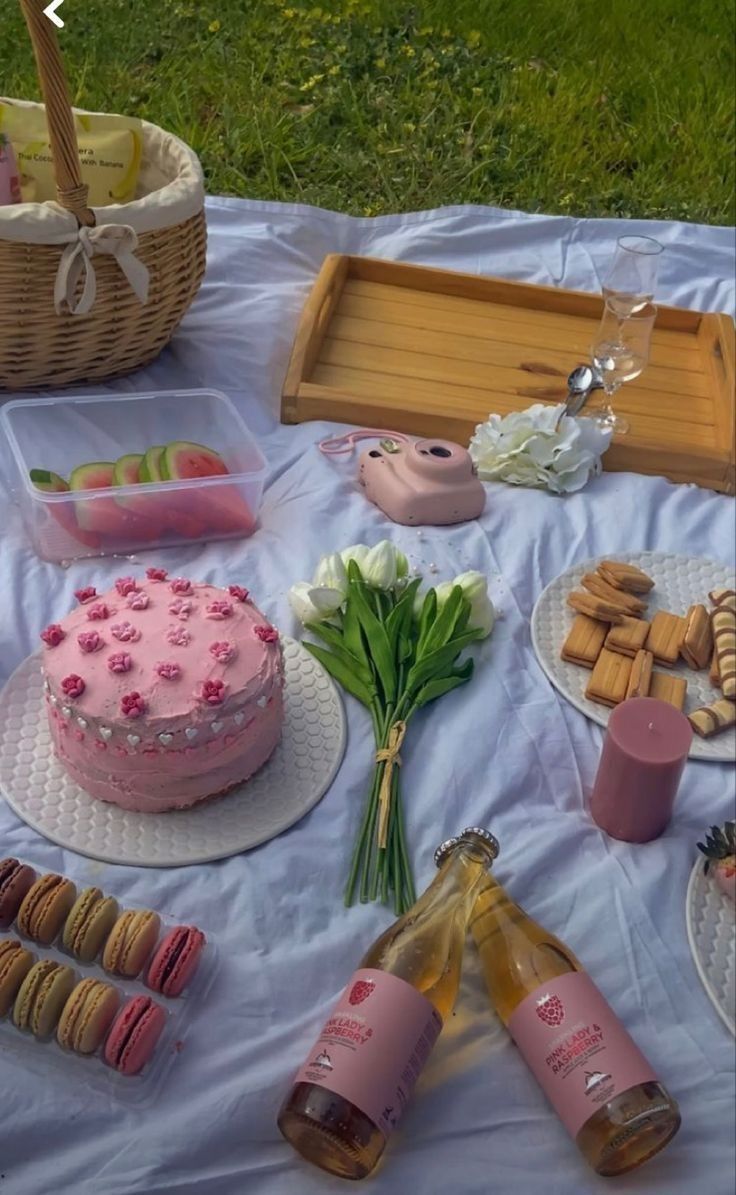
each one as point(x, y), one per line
point(582, 380)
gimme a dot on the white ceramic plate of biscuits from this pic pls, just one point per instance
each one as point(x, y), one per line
point(597, 651)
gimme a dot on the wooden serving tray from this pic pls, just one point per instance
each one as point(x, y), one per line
point(433, 353)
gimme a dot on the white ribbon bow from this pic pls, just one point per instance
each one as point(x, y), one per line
point(119, 240)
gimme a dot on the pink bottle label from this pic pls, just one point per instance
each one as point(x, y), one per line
point(373, 1047)
point(576, 1047)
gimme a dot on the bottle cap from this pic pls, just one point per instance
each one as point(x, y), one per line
point(444, 849)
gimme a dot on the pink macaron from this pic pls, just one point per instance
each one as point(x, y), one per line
point(132, 1040)
point(174, 963)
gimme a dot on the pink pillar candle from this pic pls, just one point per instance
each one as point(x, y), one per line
point(643, 757)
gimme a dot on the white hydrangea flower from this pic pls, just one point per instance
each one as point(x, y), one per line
point(540, 447)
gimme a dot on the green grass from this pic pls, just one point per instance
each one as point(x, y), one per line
point(591, 107)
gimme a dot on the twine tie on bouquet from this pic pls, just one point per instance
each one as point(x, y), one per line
point(388, 755)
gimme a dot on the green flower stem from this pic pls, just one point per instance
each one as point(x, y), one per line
point(370, 832)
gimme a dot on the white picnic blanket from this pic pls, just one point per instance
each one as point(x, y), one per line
point(512, 755)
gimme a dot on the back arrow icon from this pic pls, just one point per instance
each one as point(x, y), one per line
point(50, 12)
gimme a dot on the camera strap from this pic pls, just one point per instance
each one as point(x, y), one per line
point(344, 444)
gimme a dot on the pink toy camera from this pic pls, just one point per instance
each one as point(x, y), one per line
point(427, 482)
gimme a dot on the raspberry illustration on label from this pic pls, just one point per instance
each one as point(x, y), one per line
point(361, 990)
point(550, 1010)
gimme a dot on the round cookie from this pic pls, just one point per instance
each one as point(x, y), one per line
point(134, 1036)
point(131, 941)
point(89, 924)
point(15, 963)
point(43, 994)
point(45, 908)
point(87, 1016)
point(176, 960)
point(15, 880)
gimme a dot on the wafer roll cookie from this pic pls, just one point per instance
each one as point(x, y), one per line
point(625, 576)
point(671, 689)
point(724, 599)
point(584, 641)
point(586, 603)
point(665, 636)
point(640, 678)
point(697, 643)
point(724, 638)
point(714, 676)
point(629, 603)
point(629, 637)
point(609, 679)
point(712, 719)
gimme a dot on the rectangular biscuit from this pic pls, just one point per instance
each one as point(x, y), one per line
point(609, 679)
point(625, 576)
point(724, 639)
point(584, 641)
point(665, 636)
point(594, 607)
point(712, 719)
point(640, 678)
point(697, 643)
point(668, 688)
point(629, 603)
point(714, 676)
point(724, 599)
point(628, 637)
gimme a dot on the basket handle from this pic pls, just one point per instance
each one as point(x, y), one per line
point(71, 191)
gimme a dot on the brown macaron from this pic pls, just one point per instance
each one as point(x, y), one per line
point(46, 907)
point(15, 963)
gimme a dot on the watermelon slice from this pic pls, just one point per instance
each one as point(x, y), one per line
point(177, 511)
point(221, 506)
point(62, 512)
point(127, 469)
point(121, 527)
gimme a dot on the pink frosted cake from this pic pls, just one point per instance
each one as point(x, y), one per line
point(163, 692)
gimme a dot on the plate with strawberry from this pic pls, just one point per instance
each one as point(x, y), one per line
point(711, 919)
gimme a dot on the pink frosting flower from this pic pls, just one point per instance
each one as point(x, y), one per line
point(126, 585)
point(169, 670)
point(266, 633)
point(53, 635)
point(180, 585)
point(132, 705)
point(98, 612)
point(219, 610)
point(178, 636)
point(238, 592)
point(86, 594)
point(125, 632)
point(137, 600)
point(73, 685)
point(223, 651)
point(180, 607)
point(156, 574)
point(90, 641)
point(212, 692)
point(119, 662)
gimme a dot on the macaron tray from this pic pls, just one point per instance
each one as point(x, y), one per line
point(91, 988)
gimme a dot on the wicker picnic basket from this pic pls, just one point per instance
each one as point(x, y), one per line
point(92, 293)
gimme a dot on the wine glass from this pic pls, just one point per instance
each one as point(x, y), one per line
point(620, 351)
point(632, 277)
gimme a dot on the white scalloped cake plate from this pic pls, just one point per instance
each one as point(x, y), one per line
point(679, 582)
point(296, 777)
point(711, 932)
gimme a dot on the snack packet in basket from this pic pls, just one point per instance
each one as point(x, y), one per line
point(9, 180)
point(110, 149)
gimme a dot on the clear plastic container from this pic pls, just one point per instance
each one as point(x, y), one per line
point(59, 434)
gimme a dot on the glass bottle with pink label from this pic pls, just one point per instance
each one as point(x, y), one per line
point(358, 1077)
point(596, 1078)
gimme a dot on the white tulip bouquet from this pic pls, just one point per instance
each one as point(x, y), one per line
point(395, 649)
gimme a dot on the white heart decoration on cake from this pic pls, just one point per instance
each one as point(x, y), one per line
point(134, 739)
point(54, 700)
point(82, 723)
point(165, 739)
point(66, 711)
point(191, 732)
point(216, 727)
point(239, 719)
point(261, 702)
point(105, 733)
